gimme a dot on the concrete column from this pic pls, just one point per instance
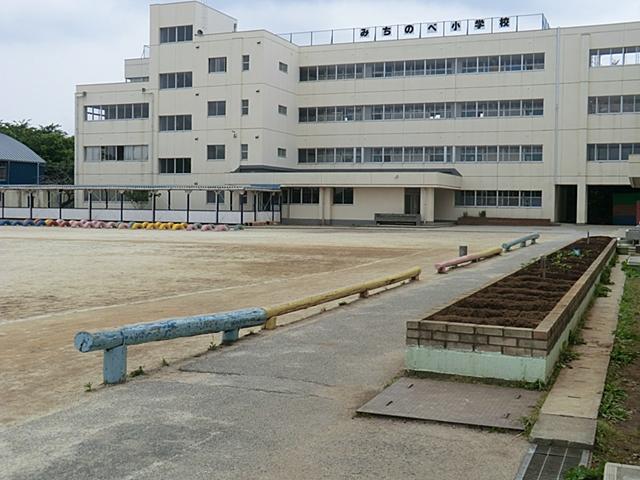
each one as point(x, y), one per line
point(321, 205)
point(328, 201)
point(427, 204)
point(581, 207)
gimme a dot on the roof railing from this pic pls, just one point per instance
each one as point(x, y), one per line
point(447, 28)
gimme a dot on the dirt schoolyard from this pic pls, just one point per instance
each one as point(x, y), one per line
point(56, 282)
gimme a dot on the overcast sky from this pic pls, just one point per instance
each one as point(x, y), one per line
point(49, 46)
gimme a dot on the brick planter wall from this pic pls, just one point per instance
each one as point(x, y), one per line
point(540, 344)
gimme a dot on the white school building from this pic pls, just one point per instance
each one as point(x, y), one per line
point(504, 117)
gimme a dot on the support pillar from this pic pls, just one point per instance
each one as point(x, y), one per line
point(427, 204)
point(581, 207)
point(121, 205)
point(114, 367)
point(217, 207)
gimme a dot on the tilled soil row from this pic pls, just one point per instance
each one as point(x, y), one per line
point(525, 297)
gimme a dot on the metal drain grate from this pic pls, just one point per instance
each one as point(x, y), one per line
point(548, 462)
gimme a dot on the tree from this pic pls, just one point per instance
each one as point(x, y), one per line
point(51, 143)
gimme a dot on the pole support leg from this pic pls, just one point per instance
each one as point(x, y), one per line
point(271, 324)
point(230, 336)
point(114, 369)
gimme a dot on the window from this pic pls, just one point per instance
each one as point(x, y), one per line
point(117, 153)
point(614, 104)
point(487, 153)
point(169, 123)
point(611, 57)
point(508, 198)
point(306, 155)
point(531, 198)
point(414, 110)
point(343, 196)
point(611, 151)
point(283, 67)
point(374, 70)
point(137, 79)
point(244, 108)
point(120, 111)
point(394, 69)
point(218, 65)
point(175, 165)
point(486, 198)
point(414, 154)
point(183, 33)
point(3, 171)
point(511, 63)
point(246, 59)
point(217, 108)
point(531, 153)
point(533, 61)
point(282, 110)
point(394, 112)
point(215, 152)
point(244, 151)
point(345, 71)
point(509, 153)
point(500, 198)
point(282, 152)
point(175, 80)
point(214, 196)
point(437, 66)
point(308, 74)
point(510, 108)
point(297, 195)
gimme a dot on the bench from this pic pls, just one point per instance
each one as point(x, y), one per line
point(397, 219)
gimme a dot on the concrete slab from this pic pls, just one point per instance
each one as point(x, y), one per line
point(566, 431)
point(454, 402)
point(619, 471)
point(570, 411)
point(277, 405)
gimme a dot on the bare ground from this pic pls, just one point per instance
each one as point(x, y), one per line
point(57, 282)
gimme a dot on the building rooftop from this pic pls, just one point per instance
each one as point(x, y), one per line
point(13, 150)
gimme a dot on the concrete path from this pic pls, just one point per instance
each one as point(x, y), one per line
point(569, 414)
point(277, 405)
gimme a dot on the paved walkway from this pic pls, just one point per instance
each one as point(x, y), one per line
point(277, 405)
point(569, 414)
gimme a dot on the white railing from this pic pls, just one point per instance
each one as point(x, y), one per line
point(513, 23)
point(139, 215)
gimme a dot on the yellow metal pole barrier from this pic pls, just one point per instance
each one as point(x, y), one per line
point(361, 288)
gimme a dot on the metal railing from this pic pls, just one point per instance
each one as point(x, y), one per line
point(522, 241)
point(512, 23)
point(115, 342)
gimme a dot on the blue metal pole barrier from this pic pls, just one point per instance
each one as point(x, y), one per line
point(114, 342)
point(522, 241)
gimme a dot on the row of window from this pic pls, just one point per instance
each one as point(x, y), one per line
point(498, 198)
point(611, 151)
point(120, 111)
point(182, 33)
point(419, 111)
point(614, 104)
point(169, 123)
point(219, 64)
point(311, 195)
point(176, 80)
point(464, 153)
point(175, 165)
point(118, 153)
point(436, 66)
point(611, 57)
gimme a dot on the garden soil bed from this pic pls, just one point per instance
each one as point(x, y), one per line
point(524, 298)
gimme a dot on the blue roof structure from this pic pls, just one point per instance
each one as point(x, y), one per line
point(14, 151)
